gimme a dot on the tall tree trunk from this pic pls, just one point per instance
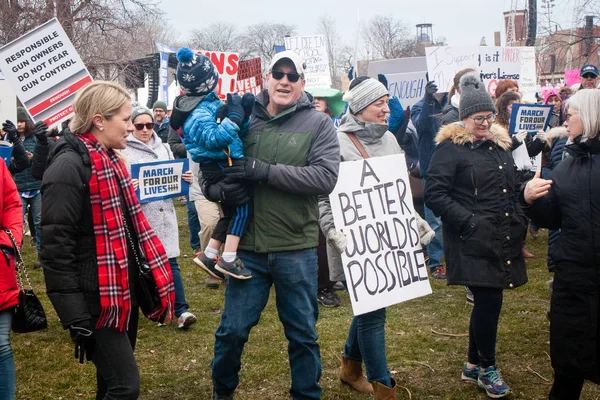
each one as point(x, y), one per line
point(531, 23)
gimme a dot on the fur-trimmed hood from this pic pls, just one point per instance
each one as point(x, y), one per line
point(457, 133)
point(556, 133)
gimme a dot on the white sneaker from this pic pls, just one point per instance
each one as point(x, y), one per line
point(186, 320)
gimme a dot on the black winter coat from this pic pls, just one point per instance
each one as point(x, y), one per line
point(68, 251)
point(471, 186)
point(573, 206)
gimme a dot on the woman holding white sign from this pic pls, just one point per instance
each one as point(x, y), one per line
point(144, 146)
point(472, 187)
point(363, 133)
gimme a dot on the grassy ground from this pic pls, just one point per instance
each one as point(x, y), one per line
point(175, 364)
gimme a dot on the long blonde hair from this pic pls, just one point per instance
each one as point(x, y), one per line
point(96, 98)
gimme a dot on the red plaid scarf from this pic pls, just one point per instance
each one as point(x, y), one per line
point(108, 173)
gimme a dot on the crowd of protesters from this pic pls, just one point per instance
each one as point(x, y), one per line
point(259, 217)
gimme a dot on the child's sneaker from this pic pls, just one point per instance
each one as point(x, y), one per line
point(186, 320)
point(208, 265)
point(235, 268)
point(491, 380)
point(470, 375)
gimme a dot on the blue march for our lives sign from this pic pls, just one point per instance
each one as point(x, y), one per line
point(529, 117)
point(160, 180)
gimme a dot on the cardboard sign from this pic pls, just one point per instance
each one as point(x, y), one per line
point(408, 87)
point(45, 72)
point(249, 79)
point(571, 77)
point(493, 63)
point(227, 64)
point(384, 262)
point(529, 117)
point(160, 180)
point(313, 51)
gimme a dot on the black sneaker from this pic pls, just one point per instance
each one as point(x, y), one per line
point(328, 298)
point(217, 396)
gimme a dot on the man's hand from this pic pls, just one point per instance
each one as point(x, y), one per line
point(252, 170)
point(430, 89)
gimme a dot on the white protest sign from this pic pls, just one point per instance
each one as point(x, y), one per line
point(160, 180)
point(529, 117)
point(45, 72)
point(313, 51)
point(408, 87)
point(493, 63)
point(524, 162)
point(383, 262)
point(227, 65)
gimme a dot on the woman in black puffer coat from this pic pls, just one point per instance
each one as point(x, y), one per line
point(571, 202)
point(471, 186)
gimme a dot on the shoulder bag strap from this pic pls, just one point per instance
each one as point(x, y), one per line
point(358, 145)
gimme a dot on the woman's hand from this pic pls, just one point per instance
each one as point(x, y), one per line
point(536, 188)
point(188, 177)
point(135, 183)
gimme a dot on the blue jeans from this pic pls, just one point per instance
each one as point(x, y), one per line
point(7, 362)
point(193, 224)
point(366, 342)
point(294, 274)
point(35, 204)
point(435, 248)
point(181, 305)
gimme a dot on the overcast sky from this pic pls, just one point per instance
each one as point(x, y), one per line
point(461, 22)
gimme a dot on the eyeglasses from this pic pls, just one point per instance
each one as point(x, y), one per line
point(292, 77)
point(589, 76)
point(479, 120)
point(148, 125)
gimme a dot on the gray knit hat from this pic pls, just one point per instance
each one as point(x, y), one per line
point(363, 94)
point(138, 110)
point(474, 96)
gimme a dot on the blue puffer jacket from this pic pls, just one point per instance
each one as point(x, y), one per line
point(208, 140)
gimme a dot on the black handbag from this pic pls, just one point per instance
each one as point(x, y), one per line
point(28, 315)
point(146, 291)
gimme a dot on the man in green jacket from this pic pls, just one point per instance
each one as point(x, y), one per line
point(292, 156)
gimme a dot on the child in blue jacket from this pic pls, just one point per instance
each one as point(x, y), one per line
point(211, 134)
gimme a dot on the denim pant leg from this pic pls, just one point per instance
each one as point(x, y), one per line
point(7, 362)
point(193, 223)
point(295, 279)
point(435, 249)
point(36, 211)
point(244, 302)
point(366, 342)
point(181, 304)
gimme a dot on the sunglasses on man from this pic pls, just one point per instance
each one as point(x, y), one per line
point(148, 125)
point(589, 76)
point(292, 77)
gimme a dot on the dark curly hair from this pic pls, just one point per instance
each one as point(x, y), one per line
point(502, 103)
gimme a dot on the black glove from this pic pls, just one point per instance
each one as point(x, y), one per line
point(235, 110)
point(40, 130)
point(83, 338)
point(229, 191)
point(253, 170)
point(11, 131)
point(248, 104)
point(430, 89)
point(381, 78)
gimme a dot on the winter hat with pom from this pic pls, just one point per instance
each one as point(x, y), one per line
point(364, 93)
point(197, 76)
point(474, 97)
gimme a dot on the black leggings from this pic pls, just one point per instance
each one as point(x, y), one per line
point(566, 387)
point(117, 374)
point(484, 326)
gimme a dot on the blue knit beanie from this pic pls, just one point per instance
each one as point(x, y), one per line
point(196, 75)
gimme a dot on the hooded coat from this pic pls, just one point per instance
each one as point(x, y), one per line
point(573, 206)
point(471, 186)
point(160, 213)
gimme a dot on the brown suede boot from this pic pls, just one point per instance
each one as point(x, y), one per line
point(382, 392)
point(351, 374)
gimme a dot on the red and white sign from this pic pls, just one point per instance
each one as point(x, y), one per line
point(227, 65)
point(45, 71)
point(249, 79)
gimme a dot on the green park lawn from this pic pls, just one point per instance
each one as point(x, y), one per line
point(176, 365)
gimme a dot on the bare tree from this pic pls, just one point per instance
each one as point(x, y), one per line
point(219, 36)
point(388, 37)
point(326, 27)
point(260, 39)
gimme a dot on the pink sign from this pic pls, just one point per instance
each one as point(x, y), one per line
point(571, 76)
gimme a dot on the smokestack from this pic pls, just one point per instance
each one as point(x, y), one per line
point(588, 35)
